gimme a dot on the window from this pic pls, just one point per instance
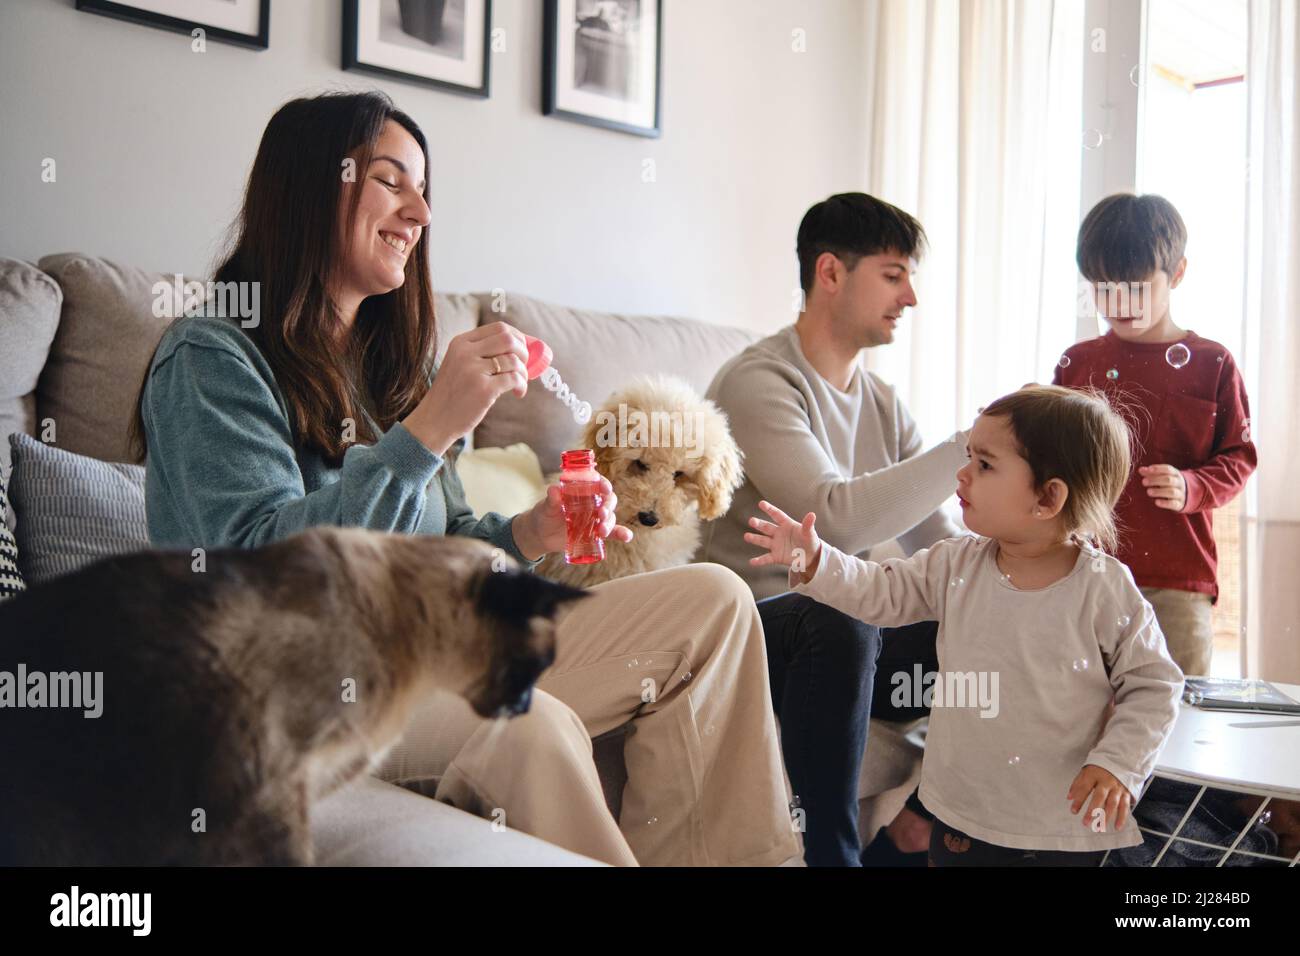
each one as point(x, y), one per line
point(1192, 150)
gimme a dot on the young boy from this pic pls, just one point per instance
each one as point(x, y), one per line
point(1190, 414)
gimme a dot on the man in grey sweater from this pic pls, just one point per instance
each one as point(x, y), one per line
point(821, 434)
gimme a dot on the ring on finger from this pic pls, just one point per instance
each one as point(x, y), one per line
point(496, 366)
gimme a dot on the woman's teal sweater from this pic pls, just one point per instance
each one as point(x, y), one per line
point(221, 469)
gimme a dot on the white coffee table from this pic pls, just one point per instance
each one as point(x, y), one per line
point(1256, 754)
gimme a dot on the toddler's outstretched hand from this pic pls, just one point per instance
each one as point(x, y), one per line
point(787, 541)
point(1108, 795)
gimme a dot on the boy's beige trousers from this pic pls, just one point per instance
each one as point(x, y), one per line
point(1187, 620)
point(680, 653)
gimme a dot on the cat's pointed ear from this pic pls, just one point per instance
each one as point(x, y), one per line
point(515, 596)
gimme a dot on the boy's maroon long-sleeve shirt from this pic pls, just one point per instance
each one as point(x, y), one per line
point(1195, 417)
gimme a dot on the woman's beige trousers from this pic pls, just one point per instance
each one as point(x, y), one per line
point(680, 654)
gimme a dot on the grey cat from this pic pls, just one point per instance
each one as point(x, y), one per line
point(247, 690)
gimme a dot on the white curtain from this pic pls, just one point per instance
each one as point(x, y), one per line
point(1271, 363)
point(973, 126)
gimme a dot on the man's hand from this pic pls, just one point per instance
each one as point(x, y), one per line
point(1166, 485)
point(787, 541)
point(1108, 795)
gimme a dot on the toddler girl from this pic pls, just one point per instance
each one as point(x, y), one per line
point(1039, 631)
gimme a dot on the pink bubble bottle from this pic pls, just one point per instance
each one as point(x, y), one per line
point(580, 498)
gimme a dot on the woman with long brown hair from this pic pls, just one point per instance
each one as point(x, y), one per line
point(327, 408)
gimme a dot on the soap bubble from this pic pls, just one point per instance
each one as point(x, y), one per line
point(652, 821)
point(686, 677)
point(1123, 621)
point(957, 582)
point(1014, 761)
point(1265, 817)
point(1245, 432)
point(1178, 355)
point(1112, 374)
point(1064, 362)
point(1092, 138)
point(1133, 74)
point(1080, 665)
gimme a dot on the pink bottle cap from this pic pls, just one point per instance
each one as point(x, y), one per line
point(539, 357)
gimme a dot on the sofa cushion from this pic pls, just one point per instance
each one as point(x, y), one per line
point(72, 510)
point(372, 823)
point(595, 353)
point(29, 317)
point(106, 337)
point(11, 579)
point(504, 480)
point(455, 313)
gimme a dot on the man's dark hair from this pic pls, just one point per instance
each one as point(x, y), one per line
point(1125, 238)
point(853, 225)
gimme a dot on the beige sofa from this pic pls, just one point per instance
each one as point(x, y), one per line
point(77, 333)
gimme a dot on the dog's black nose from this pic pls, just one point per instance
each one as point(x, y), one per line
point(647, 518)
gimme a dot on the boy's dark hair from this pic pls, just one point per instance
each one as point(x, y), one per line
point(853, 225)
point(1125, 238)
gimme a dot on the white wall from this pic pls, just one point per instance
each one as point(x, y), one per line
point(152, 144)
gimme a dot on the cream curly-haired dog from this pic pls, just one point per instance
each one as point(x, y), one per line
point(670, 457)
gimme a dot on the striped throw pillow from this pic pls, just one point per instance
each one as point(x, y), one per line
point(11, 579)
point(72, 510)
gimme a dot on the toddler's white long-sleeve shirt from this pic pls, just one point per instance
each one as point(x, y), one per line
point(1024, 682)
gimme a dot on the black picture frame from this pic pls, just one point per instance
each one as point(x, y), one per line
point(133, 14)
point(550, 78)
point(353, 63)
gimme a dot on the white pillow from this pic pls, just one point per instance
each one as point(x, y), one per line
point(505, 480)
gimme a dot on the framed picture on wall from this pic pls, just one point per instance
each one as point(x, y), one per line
point(438, 43)
point(244, 22)
point(601, 63)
